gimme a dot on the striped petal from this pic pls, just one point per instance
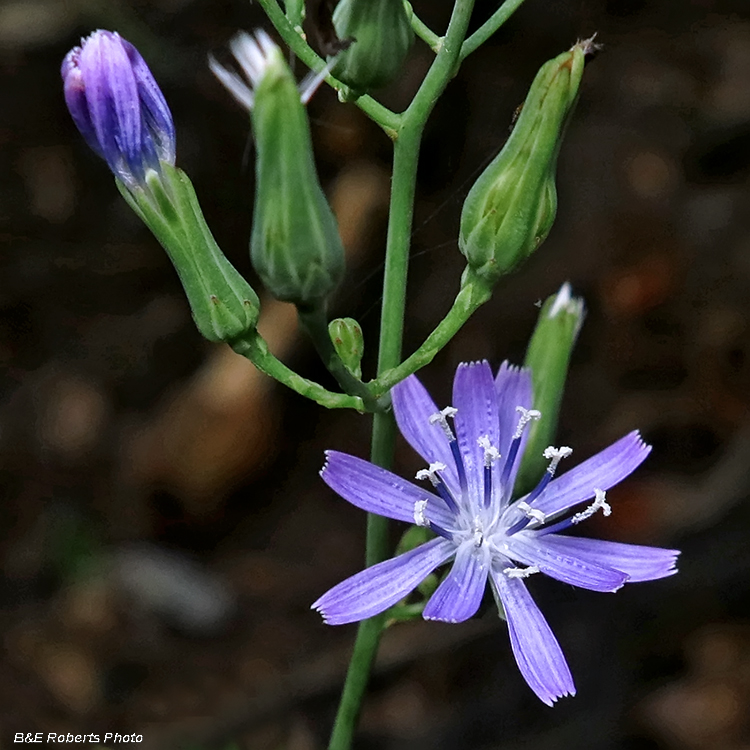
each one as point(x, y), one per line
point(602, 471)
point(567, 567)
point(638, 562)
point(475, 398)
point(458, 597)
point(379, 491)
point(514, 389)
point(537, 652)
point(413, 407)
point(374, 589)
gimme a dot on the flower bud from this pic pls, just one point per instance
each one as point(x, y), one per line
point(381, 37)
point(223, 304)
point(295, 245)
point(118, 106)
point(346, 335)
point(510, 209)
point(548, 357)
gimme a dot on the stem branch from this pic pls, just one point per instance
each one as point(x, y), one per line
point(405, 157)
point(315, 323)
point(489, 27)
point(253, 347)
point(389, 121)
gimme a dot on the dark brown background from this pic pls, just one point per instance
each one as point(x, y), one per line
point(163, 529)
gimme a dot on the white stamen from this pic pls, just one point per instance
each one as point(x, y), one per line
point(430, 472)
point(419, 517)
point(599, 503)
point(532, 513)
point(490, 452)
point(478, 532)
point(526, 416)
point(441, 418)
point(521, 572)
point(554, 455)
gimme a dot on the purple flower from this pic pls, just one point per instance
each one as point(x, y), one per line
point(472, 469)
point(118, 106)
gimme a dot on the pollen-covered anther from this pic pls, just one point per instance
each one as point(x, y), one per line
point(490, 452)
point(521, 572)
point(532, 513)
point(527, 415)
point(419, 516)
point(441, 418)
point(600, 503)
point(431, 472)
point(555, 455)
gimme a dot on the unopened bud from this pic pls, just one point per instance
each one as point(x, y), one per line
point(118, 106)
point(511, 207)
point(223, 304)
point(381, 37)
point(548, 358)
point(346, 335)
point(119, 109)
point(295, 245)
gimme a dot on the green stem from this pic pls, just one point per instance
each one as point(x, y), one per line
point(253, 347)
point(422, 30)
point(403, 184)
point(388, 121)
point(489, 27)
point(473, 294)
point(316, 324)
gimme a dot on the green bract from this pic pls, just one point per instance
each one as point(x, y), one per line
point(295, 244)
point(223, 304)
point(381, 37)
point(511, 207)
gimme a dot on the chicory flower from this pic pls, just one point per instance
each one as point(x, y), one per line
point(118, 106)
point(472, 468)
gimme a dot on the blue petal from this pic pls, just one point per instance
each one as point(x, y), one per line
point(534, 645)
point(154, 107)
point(514, 389)
point(75, 97)
point(375, 589)
point(640, 563)
point(602, 471)
point(113, 101)
point(413, 407)
point(379, 491)
point(458, 597)
point(569, 568)
point(476, 402)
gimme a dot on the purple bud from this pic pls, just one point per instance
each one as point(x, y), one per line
point(118, 106)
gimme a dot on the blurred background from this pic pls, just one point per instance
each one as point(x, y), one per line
point(163, 529)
